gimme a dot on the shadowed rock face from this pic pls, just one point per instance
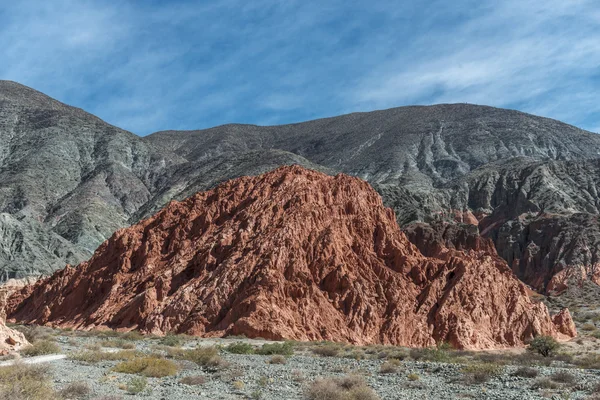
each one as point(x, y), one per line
point(293, 254)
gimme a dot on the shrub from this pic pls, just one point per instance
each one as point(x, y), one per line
point(588, 327)
point(239, 385)
point(35, 333)
point(284, 349)
point(413, 377)
point(327, 350)
point(137, 384)
point(544, 383)
point(389, 367)
point(25, 382)
point(193, 380)
point(481, 373)
point(132, 335)
point(171, 340)
point(544, 345)
point(277, 359)
point(240, 348)
point(347, 388)
point(39, 348)
point(199, 355)
point(435, 354)
point(526, 372)
point(564, 377)
point(148, 366)
point(75, 390)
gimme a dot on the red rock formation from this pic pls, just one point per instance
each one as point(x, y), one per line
point(289, 254)
point(10, 339)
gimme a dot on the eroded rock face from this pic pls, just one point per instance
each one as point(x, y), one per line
point(10, 339)
point(290, 254)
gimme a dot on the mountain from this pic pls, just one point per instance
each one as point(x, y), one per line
point(291, 254)
point(517, 178)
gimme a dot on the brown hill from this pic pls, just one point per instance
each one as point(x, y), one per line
point(290, 254)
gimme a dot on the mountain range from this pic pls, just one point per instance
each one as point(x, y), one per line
point(458, 172)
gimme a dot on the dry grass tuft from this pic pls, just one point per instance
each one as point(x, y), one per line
point(148, 366)
point(351, 387)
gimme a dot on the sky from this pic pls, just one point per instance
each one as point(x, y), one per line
point(153, 65)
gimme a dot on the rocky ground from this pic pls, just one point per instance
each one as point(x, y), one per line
point(389, 372)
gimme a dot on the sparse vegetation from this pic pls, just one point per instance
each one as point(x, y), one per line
point(194, 380)
point(95, 356)
point(284, 349)
point(150, 366)
point(75, 390)
point(239, 385)
point(171, 340)
point(347, 388)
point(544, 345)
point(389, 367)
point(240, 348)
point(203, 356)
point(277, 359)
point(327, 350)
point(564, 377)
point(526, 372)
point(39, 348)
point(544, 383)
point(481, 373)
point(26, 382)
point(136, 385)
point(413, 377)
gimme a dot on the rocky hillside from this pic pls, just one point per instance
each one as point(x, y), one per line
point(66, 174)
point(292, 254)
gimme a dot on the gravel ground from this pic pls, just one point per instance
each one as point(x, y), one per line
point(253, 377)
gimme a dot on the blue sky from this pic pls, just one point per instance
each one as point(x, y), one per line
point(154, 65)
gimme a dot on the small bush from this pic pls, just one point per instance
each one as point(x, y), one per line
point(526, 372)
point(132, 335)
point(347, 388)
point(544, 345)
point(239, 385)
point(35, 333)
point(389, 367)
point(564, 377)
point(277, 359)
point(588, 327)
point(481, 373)
point(199, 355)
point(588, 361)
point(240, 348)
point(413, 377)
point(25, 382)
point(193, 380)
point(435, 354)
point(137, 385)
point(327, 350)
point(39, 348)
point(148, 366)
point(75, 390)
point(171, 340)
point(284, 349)
point(544, 383)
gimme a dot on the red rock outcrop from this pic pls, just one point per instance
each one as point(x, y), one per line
point(290, 254)
point(10, 339)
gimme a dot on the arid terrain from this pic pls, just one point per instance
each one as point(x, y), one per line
point(107, 365)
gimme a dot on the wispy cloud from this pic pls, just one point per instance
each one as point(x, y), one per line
point(148, 66)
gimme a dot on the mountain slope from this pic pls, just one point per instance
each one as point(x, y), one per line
point(292, 254)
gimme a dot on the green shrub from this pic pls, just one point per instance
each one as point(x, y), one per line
point(137, 384)
point(39, 348)
point(284, 349)
point(26, 382)
point(327, 350)
point(240, 348)
point(171, 340)
point(544, 345)
point(481, 373)
point(148, 366)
